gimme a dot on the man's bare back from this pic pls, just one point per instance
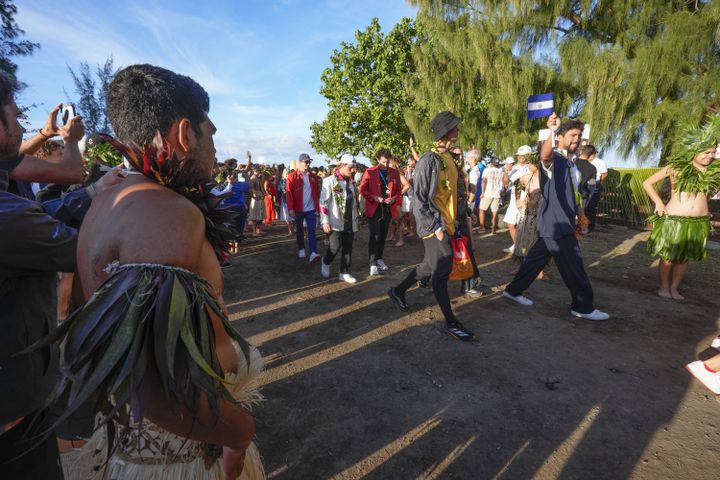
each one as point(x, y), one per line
point(140, 221)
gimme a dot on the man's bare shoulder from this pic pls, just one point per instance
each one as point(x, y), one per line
point(148, 202)
point(158, 225)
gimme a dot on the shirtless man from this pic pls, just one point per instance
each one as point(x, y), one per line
point(681, 227)
point(141, 221)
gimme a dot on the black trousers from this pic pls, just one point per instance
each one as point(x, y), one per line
point(26, 455)
point(566, 254)
point(437, 264)
point(379, 224)
point(592, 204)
point(340, 241)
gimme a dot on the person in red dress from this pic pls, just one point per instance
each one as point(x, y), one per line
point(270, 192)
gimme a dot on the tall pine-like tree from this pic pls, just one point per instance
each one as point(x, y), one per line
point(91, 90)
point(633, 69)
point(10, 44)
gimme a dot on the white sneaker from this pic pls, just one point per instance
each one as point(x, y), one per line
point(374, 271)
point(509, 249)
point(381, 266)
point(301, 253)
point(324, 269)
point(313, 256)
point(710, 379)
point(716, 343)
point(524, 301)
point(346, 277)
point(596, 315)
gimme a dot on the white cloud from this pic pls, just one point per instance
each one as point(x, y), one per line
point(91, 40)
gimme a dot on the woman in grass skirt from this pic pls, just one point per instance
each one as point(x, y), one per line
point(681, 228)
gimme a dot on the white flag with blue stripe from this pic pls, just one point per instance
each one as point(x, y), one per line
point(541, 105)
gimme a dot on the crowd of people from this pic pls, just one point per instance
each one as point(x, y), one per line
point(147, 347)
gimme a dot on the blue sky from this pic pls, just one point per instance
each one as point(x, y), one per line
point(260, 60)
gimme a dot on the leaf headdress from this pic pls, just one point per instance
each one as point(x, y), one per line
point(692, 140)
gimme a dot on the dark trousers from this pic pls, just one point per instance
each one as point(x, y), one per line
point(592, 204)
point(340, 241)
point(310, 218)
point(437, 264)
point(26, 455)
point(566, 254)
point(379, 224)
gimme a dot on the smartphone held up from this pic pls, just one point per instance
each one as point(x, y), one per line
point(68, 112)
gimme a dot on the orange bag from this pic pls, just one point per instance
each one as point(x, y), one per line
point(462, 266)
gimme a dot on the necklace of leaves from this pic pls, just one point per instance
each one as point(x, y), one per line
point(690, 179)
point(443, 166)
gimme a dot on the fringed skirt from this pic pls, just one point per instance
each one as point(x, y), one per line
point(142, 314)
point(679, 239)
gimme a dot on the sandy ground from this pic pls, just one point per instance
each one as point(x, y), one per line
point(355, 389)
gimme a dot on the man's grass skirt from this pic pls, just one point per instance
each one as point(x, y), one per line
point(679, 239)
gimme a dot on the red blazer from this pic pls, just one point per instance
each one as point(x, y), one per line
point(294, 191)
point(370, 189)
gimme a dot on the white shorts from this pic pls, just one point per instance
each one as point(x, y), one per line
point(492, 203)
point(406, 204)
point(512, 214)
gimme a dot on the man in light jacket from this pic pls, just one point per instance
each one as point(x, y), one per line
point(339, 216)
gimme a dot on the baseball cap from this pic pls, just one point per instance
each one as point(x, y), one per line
point(524, 150)
point(495, 161)
point(304, 157)
point(509, 160)
point(442, 123)
point(347, 159)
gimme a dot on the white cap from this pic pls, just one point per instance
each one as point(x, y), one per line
point(509, 160)
point(524, 150)
point(347, 159)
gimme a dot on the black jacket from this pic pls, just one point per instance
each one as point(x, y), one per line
point(425, 184)
point(33, 247)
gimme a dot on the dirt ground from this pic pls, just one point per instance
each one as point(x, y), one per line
point(356, 389)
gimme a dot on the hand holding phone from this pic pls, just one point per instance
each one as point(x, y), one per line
point(68, 113)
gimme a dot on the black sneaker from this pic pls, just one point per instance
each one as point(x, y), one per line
point(398, 300)
point(457, 330)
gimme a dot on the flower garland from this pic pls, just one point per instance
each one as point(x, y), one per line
point(338, 193)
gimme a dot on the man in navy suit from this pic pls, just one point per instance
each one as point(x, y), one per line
point(556, 224)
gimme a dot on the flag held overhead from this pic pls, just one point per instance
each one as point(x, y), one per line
point(541, 105)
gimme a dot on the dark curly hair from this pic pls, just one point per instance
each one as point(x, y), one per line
point(383, 152)
point(144, 99)
point(570, 125)
point(8, 88)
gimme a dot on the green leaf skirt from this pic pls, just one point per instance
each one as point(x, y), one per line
point(679, 239)
point(143, 316)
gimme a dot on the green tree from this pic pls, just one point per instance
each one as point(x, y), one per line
point(633, 69)
point(91, 103)
point(365, 91)
point(10, 45)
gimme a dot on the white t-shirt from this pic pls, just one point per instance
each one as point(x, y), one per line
point(600, 166)
point(308, 203)
point(474, 175)
point(493, 182)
